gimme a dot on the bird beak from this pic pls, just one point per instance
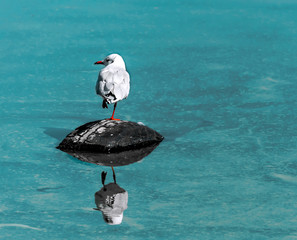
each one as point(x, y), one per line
point(99, 62)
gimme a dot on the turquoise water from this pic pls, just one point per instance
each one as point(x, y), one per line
point(215, 78)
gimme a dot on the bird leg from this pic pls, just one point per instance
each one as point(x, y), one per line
point(114, 176)
point(112, 118)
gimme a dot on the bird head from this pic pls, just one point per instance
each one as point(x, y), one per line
point(114, 59)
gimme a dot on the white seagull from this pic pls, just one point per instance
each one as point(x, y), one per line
point(113, 82)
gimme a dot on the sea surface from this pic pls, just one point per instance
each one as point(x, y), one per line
point(216, 78)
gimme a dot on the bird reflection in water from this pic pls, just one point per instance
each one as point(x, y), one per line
point(111, 200)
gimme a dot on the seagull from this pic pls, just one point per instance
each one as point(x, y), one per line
point(113, 82)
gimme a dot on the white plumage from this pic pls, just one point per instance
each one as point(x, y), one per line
point(113, 82)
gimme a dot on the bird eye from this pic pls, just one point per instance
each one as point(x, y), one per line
point(108, 60)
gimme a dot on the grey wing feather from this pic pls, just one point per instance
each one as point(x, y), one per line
point(113, 84)
point(122, 85)
point(104, 85)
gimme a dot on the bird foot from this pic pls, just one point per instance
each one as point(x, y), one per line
point(104, 104)
point(103, 176)
point(112, 118)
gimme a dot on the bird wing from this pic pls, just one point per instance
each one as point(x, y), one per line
point(122, 84)
point(113, 84)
